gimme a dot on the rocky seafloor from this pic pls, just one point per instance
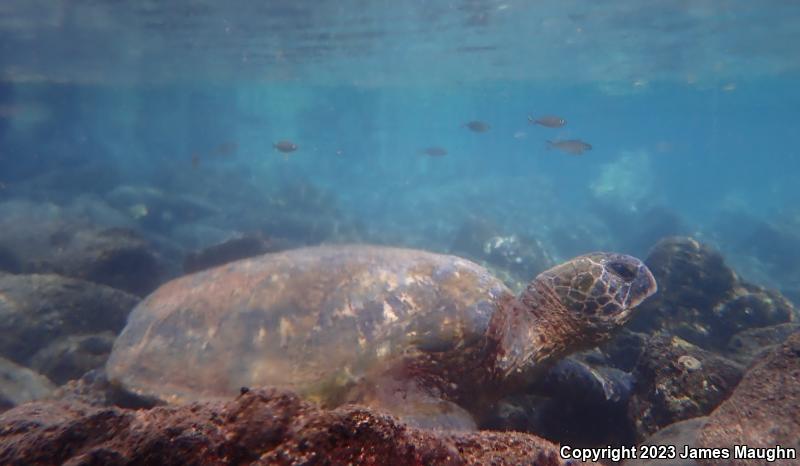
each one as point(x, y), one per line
point(711, 360)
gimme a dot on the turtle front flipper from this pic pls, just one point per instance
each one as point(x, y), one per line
point(406, 399)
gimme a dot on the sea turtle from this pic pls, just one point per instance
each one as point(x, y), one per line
point(434, 339)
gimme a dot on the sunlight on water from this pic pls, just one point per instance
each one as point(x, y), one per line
point(618, 45)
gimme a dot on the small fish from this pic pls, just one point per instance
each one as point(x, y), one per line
point(285, 146)
point(339, 152)
point(570, 146)
point(477, 126)
point(435, 151)
point(549, 121)
point(520, 135)
point(195, 160)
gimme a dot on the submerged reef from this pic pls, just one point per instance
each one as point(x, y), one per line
point(37, 311)
point(70, 274)
point(258, 427)
point(702, 299)
point(678, 381)
point(19, 384)
point(46, 238)
point(763, 410)
point(514, 258)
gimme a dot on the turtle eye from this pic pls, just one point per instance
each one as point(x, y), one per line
point(625, 271)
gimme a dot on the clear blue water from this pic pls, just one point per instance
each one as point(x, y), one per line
point(691, 107)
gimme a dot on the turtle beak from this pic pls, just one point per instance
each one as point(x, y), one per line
point(642, 287)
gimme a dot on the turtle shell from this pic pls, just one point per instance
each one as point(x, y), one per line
point(311, 320)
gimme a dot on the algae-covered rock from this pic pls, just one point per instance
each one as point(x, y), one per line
point(71, 356)
point(36, 310)
point(258, 427)
point(702, 300)
point(764, 410)
point(676, 380)
point(19, 385)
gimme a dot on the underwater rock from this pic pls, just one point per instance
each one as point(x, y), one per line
point(70, 357)
point(624, 349)
point(117, 257)
point(764, 410)
point(585, 397)
point(19, 385)
point(564, 422)
point(678, 434)
point(676, 380)
point(93, 388)
point(748, 345)
point(303, 213)
point(158, 210)
point(572, 380)
point(692, 278)
point(520, 256)
point(239, 247)
point(701, 299)
point(520, 413)
point(573, 404)
point(93, 210)
point(749, 307)
point(36, 310)
point(46, 238)
point(260, 426)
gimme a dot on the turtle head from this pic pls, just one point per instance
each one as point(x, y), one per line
point(568, 308)
point(601, 288)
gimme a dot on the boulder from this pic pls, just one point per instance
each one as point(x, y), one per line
point(116, 257)
point(764, 410)
point(574, 403)
point(678, 434)
point(260, 426)
point(747, 345)
point(701, 299)
point(676, 380)
point(19, 385)
point(519, 256)
point(158, 210)
point(36, 310)
point(47, 238)
point(71, 356)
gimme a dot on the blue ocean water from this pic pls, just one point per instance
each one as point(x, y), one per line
point(164, 120)
point(690, 109)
